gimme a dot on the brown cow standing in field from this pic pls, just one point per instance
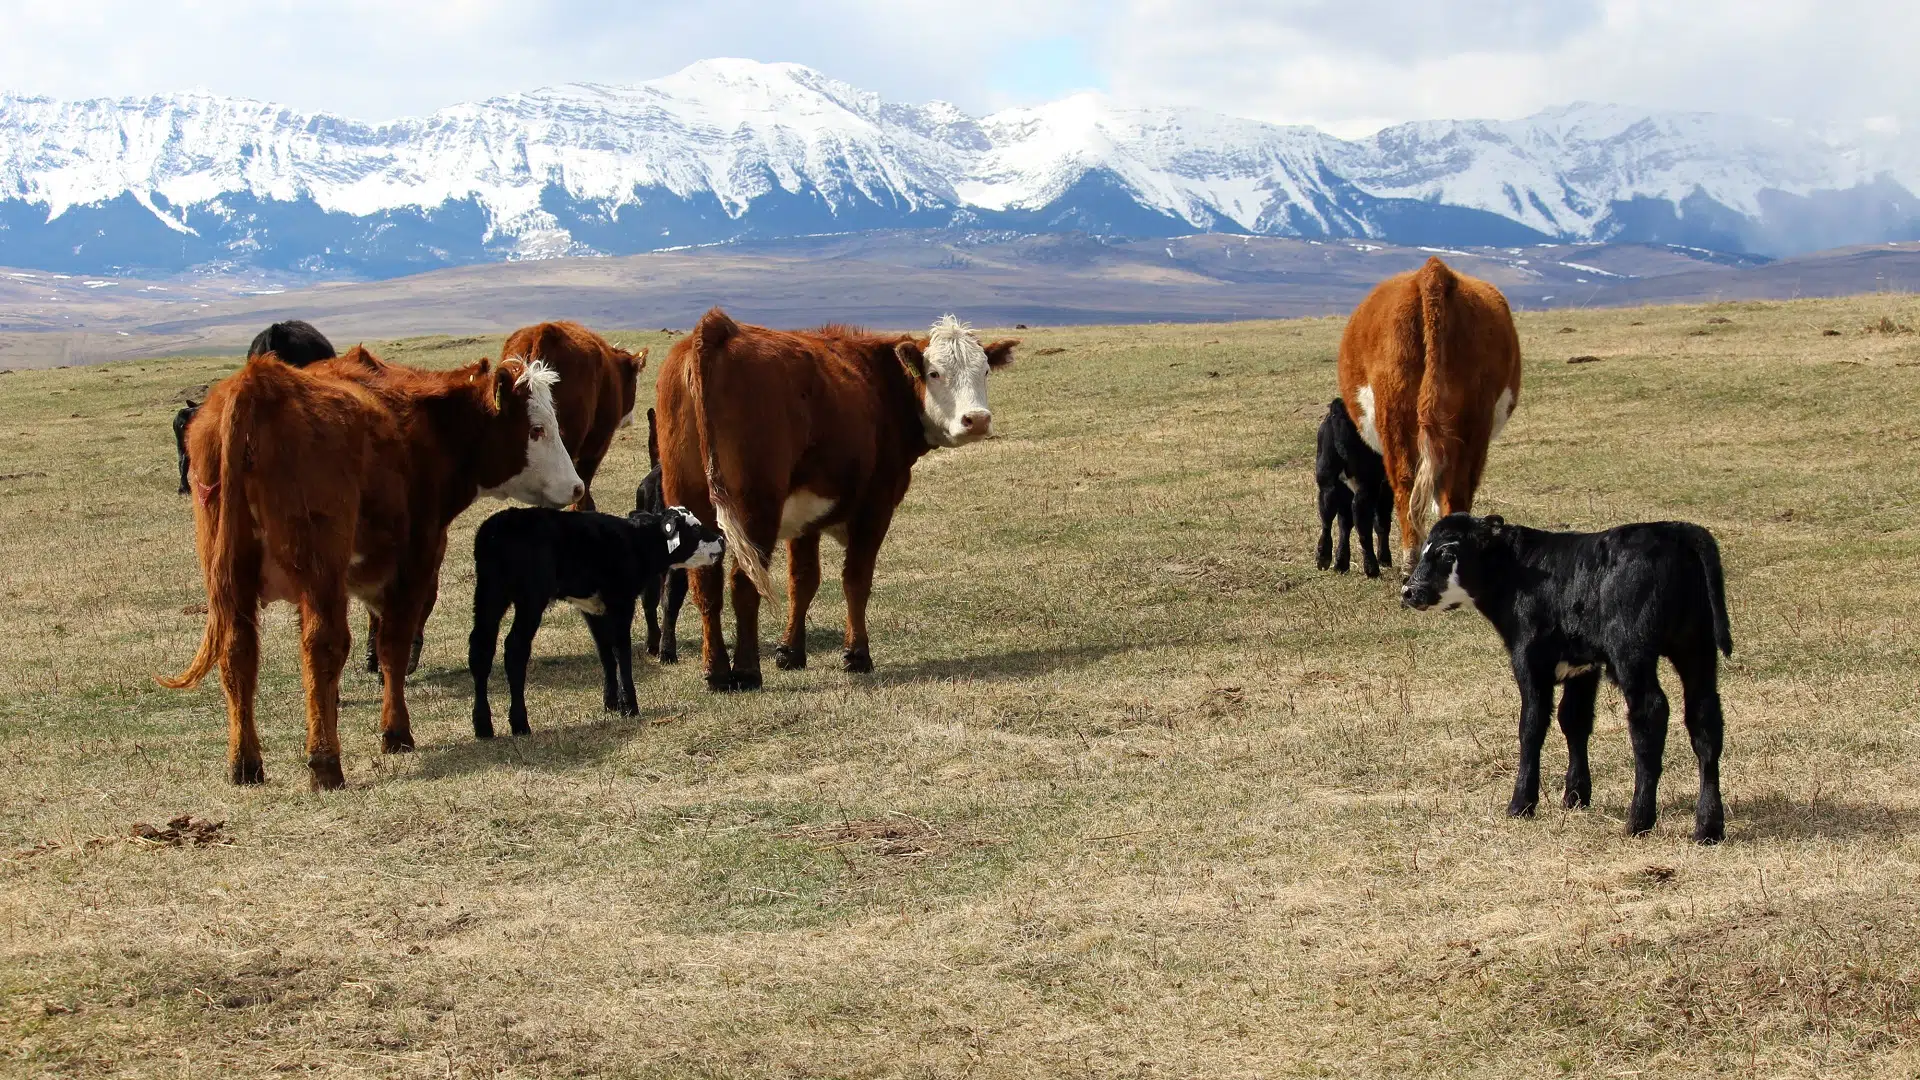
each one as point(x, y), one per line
point(340, 479)
point(1430, 370)
point(596, 392)
point(784, 436)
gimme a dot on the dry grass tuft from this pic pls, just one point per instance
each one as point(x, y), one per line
point(1135, 791)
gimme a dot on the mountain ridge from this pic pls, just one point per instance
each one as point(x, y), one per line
point(730, 149)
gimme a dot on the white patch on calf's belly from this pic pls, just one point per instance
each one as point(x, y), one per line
point(1368, 433)
point(1564, 671)
point(1352, 484)
point(1502, 410)
point(801, 510)
point(592, 605)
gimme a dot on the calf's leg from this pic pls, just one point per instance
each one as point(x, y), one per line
point(1576, 723)
point(670, 623)
point(1329, 509)
point(602, 633)
point(1647, 724)
point(1364, 513)
point(803, 581)
point(1706, 727)
point(650, 603)
point(526, 623)
point(1383, 508)
point(1536, 715)
point(488, 609)
point(619, 624)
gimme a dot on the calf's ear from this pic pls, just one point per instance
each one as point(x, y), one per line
point(503, 380)
point(1000, 353)
point(912, 359)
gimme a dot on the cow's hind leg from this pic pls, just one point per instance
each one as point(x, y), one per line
point(325, 641)
point(1576, 723)
point(761, 523)
point(373, 642)
point(1706, 727)
point(1400, 454)
point(803, 581)
point(399, 617)
point(239, 676)
point(1647, 724)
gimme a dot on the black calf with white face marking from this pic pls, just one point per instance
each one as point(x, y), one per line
point(527, 558)
point(1353, 491)
point(662, 623)
point(1570, 606)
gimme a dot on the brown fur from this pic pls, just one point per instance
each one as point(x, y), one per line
point(1438, 348)
point(596, 391)
point(748, 416)
point(300, 471)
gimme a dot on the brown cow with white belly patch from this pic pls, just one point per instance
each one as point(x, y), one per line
point(338, 480)
point(1430, 370)
point(783, 436)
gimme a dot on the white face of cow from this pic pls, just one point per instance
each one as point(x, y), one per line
point(549, 478)
point(952, 378)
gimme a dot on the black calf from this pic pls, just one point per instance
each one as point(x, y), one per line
point(180, 421)
point(295, 342)
point(527, 558)
point(1353, 489)
point(661, 630)
point(1570, 605)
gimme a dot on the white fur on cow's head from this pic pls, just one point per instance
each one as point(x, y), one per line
point(548, 478)
point(951, 376)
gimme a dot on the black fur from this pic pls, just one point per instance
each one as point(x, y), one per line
point(180, 421)
point(662, 628)
point(294, 342)
point(526, 558)
point(1353, 490)
point(1614, 601)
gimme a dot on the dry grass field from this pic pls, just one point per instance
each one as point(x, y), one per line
point(1135, 791)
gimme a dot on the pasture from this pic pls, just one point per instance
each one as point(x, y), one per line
point(1134, 790)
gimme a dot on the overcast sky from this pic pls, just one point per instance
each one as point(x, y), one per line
point(1350, 66)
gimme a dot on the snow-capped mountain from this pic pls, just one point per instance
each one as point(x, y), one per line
point(733, 149)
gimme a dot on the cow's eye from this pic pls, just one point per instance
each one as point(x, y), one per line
point(538, 433)
point(933, 374)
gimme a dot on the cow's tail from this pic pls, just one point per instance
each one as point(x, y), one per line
point(715, 329)
point(653, 442)
point(1708, 552)
point(222, 523)
point(1435, 283)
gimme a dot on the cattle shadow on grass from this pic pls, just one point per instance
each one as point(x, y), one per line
point(563, 745)
point(1774, 816)
point(1001, 666)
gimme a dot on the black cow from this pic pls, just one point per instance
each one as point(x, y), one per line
point(1353, 489)
point(180, 421)
point(662, 629)
point(294, 342)
point(1571, 605)
point(526, 558)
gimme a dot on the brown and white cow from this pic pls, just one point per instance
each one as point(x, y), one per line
point(596, 392)
point(338, 480)
point(1430, 370)
point(781, 435)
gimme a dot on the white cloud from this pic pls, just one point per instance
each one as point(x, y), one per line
point(1347, 65)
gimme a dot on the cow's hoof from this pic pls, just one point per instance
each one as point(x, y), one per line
point(857, 661)
point(746, 680)
point(720, 682)
point(249, 772)
point(1637, 826)
point(1520, 808)
point(1342, 567)
point(1372, 570)
point(789, 658)
point(396, 742)
point(669, 656)
point(325, 772)
point(483, 727)
point(1324, 561)
point(1573, 800)
point(629, 708)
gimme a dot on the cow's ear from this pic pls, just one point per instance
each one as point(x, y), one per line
point(1000, 353)
point(503, 380)
point(639, 360)
point(912, 359)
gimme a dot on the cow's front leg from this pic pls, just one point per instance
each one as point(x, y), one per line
point(1535, 680)
point(856, 580)
point(746, 632)
point(397, 623)
point(803, 581)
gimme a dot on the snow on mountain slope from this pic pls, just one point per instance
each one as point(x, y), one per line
point(727, 149)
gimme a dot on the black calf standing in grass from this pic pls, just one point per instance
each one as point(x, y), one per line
point(1353, 489)
point(661, 627)
point(527, 558)
point(1570, 605)
point(180, 421)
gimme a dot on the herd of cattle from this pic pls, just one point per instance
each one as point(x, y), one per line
point(317, 477)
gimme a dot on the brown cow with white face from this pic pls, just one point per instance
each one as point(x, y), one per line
point(781, 435)
point(595, 396)
point(340, 479)
point(1430, 370)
